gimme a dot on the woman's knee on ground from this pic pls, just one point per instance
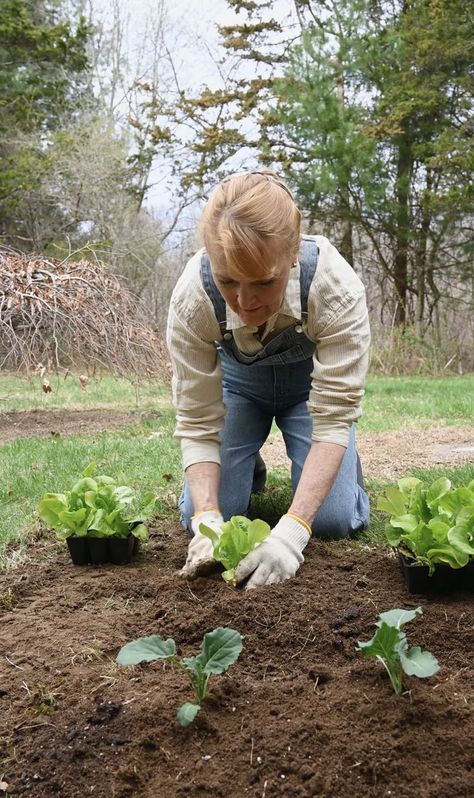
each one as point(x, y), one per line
point(333, 526)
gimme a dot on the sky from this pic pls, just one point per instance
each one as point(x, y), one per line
point(191, 36)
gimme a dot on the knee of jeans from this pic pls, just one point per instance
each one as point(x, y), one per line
point(331, 529)
point(342, 522)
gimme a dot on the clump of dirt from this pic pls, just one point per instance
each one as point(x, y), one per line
point(299, 714)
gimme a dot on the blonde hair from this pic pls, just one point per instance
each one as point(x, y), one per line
point(250, 220)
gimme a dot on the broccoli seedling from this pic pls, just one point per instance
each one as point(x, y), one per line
point(219, 649)
point(389, 645)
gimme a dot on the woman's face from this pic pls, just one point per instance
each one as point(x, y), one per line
point(254, 300)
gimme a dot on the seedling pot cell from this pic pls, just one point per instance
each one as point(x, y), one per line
point(444, 579)
point(78, 550)
point(121, 550)
point(97, 551)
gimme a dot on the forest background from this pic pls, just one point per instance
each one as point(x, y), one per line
point(108, 149)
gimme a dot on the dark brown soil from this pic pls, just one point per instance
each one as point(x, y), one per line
point(299, 714)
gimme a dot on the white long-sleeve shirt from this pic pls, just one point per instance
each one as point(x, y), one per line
point(337, 322)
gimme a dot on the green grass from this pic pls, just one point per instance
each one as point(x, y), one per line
point(66, 393)
point(393, 403)
point(146, 456)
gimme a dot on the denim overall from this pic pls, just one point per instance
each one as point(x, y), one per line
point(274, 384)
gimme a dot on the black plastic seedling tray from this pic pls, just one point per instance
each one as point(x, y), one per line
point(444, 579)
point(97, 551)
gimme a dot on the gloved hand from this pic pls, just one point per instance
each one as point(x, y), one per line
point(278, 557)
point(200, 559)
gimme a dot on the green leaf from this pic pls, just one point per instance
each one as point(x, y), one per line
point(146, 649)
point(448, 555)
point(220, 649)
point(89, 470)
point(438, 489)
point(74, 520)
point(439, 529)
point(209, 533)
point(465, 517)
point(104, 480)
point(409, 485)
point(452, 503)
point(83, 485)
point(398, 617)
point(123, 495)
point(193, 664)
point(140, 532)
point(419, 540)
point(416, 662)
point(49, 508)
point(392, 535)
point(392, 501)
point(462, 539)
point(406, 522)
point(382, 644)
point(187, 712)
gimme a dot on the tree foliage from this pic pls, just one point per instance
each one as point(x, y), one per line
point(365, 106)
point(43, 62)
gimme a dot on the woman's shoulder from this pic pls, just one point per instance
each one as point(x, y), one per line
point(189, 302)
point(188, 290)
point(333, 269)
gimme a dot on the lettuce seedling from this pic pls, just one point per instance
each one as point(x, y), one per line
point(389, 645)
point(219, 649)
point(97, 507)
point(239, 537)
point(433, 524)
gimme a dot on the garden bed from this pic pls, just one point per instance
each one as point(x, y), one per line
point(299, 714)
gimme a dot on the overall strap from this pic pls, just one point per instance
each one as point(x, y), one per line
point(308, 260)
point(212, 291)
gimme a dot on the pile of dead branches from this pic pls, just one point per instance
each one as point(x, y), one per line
point(67, 314)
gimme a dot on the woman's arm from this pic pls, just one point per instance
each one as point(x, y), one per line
point(318, 475)
point(203, 482)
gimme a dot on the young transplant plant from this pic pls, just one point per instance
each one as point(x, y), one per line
point(219, 649)
point(389, 645)
point(239, 536)
point(430, 524)
point(96, 506)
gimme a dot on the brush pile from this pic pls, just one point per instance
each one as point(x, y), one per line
point(73, 313)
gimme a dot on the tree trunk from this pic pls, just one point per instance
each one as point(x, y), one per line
point(404, 170)
point(422, 256)
point(347, 250)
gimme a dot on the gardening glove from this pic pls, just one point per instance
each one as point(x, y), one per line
point(200, 558)
point(278, 557)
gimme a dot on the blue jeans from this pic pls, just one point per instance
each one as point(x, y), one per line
point(253, 398)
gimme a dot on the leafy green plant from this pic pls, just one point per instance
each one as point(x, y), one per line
point(97, 507)
point(239, 537)
point(389, 645)
point(433, 524)
point(219, 649)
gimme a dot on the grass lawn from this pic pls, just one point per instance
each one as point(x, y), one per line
point(146, 456)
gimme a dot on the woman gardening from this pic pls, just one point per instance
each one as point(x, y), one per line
point(266, 324)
